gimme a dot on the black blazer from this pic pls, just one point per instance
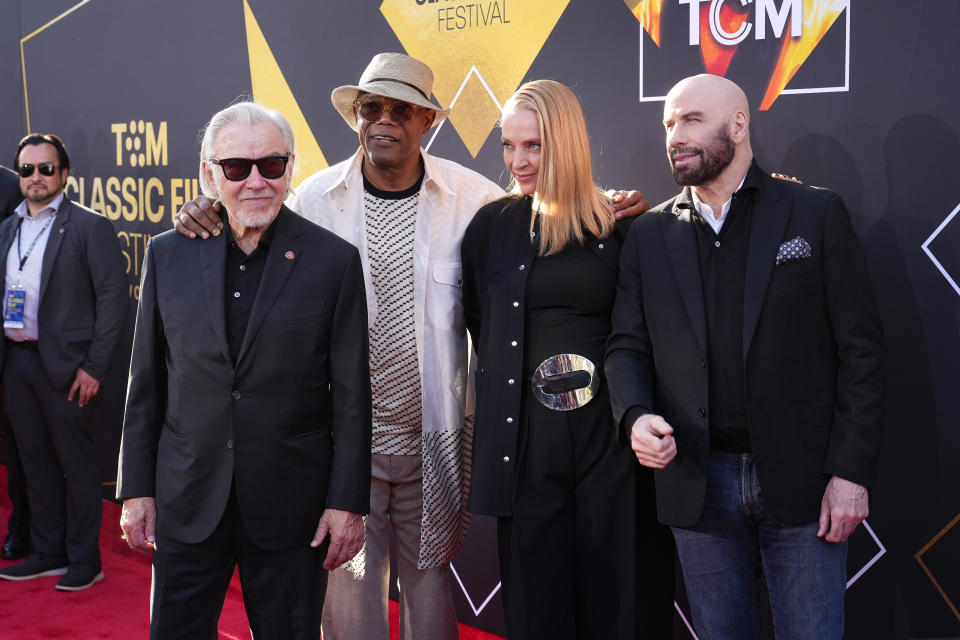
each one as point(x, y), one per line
point(813, 349)
point(288, 423)
point(10, 195)
point(496, 255)
point(84, 294)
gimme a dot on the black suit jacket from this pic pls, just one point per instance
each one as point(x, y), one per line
point(10, 195)
point(84, 295)
point(813, 349)
point(288, 423)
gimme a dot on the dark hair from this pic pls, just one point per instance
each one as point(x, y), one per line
point(43, 138)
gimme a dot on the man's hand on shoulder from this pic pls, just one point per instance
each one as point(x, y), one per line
point(651, 438)
point(845, 505)
point(199, 217)
point(346, 536)
point(139, 523)
point(783, 176)
point(84, 386)
point(627, 204)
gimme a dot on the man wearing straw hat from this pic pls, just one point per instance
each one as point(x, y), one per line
point(406, 212)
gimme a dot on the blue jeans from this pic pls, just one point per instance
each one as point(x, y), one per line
point(737, 537)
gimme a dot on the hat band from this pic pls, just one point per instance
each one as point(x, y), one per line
point(412, 86)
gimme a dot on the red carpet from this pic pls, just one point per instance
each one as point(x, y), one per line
point(118, 607)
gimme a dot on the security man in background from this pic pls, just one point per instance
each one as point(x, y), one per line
point(65, 303)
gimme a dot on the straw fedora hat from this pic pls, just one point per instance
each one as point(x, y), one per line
point(392, 75)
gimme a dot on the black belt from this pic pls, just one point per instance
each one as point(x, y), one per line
point(29, 345)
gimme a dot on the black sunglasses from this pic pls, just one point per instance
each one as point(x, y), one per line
point(45, 168)
point(237, 169)
point(372, 110)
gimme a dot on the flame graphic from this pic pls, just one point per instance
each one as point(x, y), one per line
point(648, 13)
point(716, 56)
point(818, 17)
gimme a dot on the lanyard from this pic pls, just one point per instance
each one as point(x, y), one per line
point(46, 224)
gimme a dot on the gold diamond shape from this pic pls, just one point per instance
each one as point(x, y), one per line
point(474, 114)
point(926, 569)
point(496, 40)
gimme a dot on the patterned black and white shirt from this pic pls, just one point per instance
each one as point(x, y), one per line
point(394, 370)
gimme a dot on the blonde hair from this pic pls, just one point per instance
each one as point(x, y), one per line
point(566, 194)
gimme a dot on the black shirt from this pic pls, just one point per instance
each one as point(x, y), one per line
point(241, 281)
point(723, 262)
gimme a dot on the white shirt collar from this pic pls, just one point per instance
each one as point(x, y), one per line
point(706, 211)
point(431, 176)
point(52, 207)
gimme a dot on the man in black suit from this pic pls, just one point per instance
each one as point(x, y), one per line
point(10, 196)
point(246, 439)
point(17, 542)
point(65, 304)
point(747, 365)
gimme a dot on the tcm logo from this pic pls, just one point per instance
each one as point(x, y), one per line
point(765, 10)
point(140, 143)
point(760, 44)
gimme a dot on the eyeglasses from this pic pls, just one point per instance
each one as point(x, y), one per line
point(372, 110)
point(237, 169)
point(45, 168)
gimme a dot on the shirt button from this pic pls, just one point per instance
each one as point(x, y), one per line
point(513, 343)
point(703, 363)
point(702, 412)
point(243, 267)
point(522, 267)
point(236, 294)
point(506, 458)
point(509, 420)
point(229, 444)
point(717, 243)
point(510, 381)
point(236, 395)
point(515, 304)
point(600, 246)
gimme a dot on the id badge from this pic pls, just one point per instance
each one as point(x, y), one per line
point(14, 303)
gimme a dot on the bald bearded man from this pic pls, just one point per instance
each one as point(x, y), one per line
point(747, 365)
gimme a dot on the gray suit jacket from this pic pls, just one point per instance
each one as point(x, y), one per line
point(84, 295)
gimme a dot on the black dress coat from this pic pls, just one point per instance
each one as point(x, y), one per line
point(813, 349)
point(496, 261)
point(288, 423)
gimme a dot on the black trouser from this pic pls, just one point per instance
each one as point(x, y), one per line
point(56, 447)
point(18, 525)
point(282, 590)
point(567, 553)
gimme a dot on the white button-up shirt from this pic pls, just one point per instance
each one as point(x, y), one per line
point(36, 226)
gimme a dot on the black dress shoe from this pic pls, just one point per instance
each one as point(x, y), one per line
point(36, 566)
point(80, 577)
point(14, 548)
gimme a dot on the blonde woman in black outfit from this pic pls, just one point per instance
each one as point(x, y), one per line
point(573, 506)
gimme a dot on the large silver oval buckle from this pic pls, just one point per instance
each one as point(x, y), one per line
point(565, 382)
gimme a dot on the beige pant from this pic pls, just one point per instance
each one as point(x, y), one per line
point(356, 607)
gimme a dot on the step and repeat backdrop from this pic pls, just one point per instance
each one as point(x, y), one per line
point(856, 95)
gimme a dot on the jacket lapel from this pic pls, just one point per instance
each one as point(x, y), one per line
point(213, 259)
point(281, 257)
point(8, 231)
point(769, 221)
point(58, 229)
point(681, 241)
